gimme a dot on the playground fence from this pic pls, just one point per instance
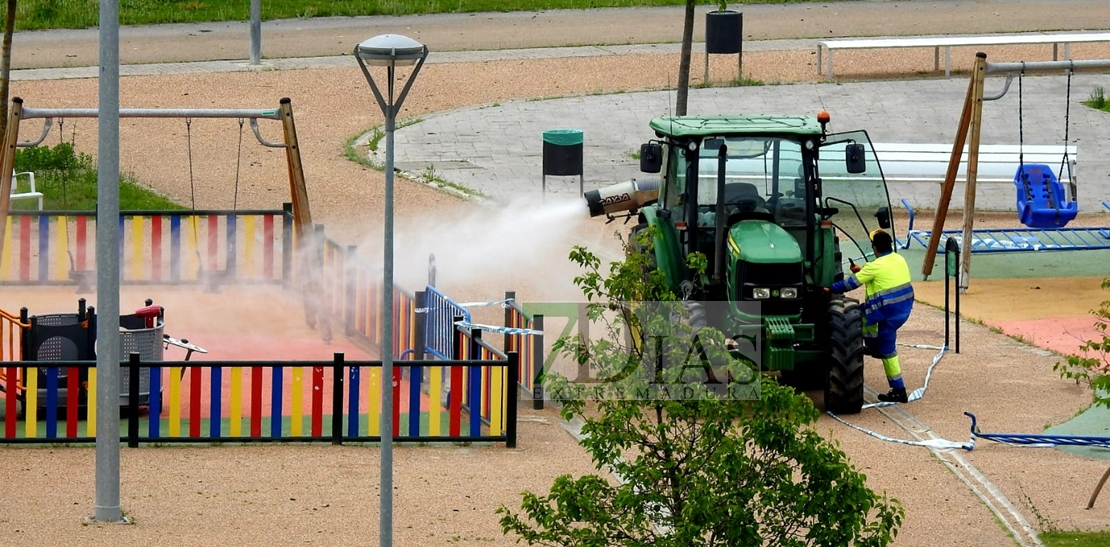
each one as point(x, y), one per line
point(58, 248)
point(173, 247)
point(333, 401)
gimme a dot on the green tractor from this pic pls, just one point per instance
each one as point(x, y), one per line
point(775, 204)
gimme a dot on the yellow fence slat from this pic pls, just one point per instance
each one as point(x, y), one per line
point(248, 247)
point(138, 258)
point(435, 396)
point(6, 255)
point(235, 413)
point(175, 402)
point(90, 420)
point(61, 250)
point(296, 402)
point(32, 404)
point(373, 412)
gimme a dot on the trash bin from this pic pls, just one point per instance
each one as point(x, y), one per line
point(724, 31)
point(136, 337)
point(562, 152)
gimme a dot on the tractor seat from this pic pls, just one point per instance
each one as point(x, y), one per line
point(737, 193)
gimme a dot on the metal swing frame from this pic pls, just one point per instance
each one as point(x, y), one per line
point(969, 131)
point(302, 216)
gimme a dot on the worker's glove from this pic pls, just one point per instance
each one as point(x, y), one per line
point(855, 269)
point(827, 290)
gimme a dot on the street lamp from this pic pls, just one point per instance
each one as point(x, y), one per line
point(390, 51)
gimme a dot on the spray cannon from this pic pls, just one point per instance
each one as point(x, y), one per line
point(624, 196)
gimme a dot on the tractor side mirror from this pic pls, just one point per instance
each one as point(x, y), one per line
point(883, 215)
point(651, 157)
point(855, 158)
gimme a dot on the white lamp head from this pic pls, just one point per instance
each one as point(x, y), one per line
point(390, 50)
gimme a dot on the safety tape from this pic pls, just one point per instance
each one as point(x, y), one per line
point(919, 392)
point(930, 443)
point(497, 329)
point(915, 395)
point(503, 303)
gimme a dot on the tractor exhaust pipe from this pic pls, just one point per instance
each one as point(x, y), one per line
point(624, 196)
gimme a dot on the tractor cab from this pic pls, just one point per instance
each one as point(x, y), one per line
point(779, 208)
point(764, 198)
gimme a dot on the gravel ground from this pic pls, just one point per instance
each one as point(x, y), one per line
point(447, 495)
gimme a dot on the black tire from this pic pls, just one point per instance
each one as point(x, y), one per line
point(694, 314)
point(844, 388)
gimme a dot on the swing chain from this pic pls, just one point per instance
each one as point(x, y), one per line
point(238, 162)
point(189, 138)
point(1021, 122)
point(1067, 126)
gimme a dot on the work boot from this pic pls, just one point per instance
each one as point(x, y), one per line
point(895, 395)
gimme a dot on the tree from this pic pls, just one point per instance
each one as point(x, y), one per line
point(712, 469)
point(1092, 365)
point(683, 92)
point(6, 66)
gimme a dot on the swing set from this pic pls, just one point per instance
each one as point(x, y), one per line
point(1046, 200)
point(302, 216)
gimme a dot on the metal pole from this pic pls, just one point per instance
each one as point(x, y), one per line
point(386, 514)
point(256, 32)
point(1093, 64)
point(107, 507)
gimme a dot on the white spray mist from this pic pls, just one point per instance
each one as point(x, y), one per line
point(523, 247)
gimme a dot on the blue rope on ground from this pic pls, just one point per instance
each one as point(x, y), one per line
point(1035, 440)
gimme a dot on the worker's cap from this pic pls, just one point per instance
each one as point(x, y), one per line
point(874, 233)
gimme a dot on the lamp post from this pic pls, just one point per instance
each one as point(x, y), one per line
point(390, 51)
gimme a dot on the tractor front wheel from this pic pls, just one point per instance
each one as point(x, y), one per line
point(844, 388)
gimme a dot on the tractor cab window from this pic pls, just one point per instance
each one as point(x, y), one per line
point(858, 197)
point(763, 176)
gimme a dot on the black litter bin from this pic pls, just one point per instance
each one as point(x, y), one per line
point(724, 34)
point(562, 152)
point(562, 155)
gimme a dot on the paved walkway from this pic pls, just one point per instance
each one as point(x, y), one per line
point(498, 150)
point(468, 147)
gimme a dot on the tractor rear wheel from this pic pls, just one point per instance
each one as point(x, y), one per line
point(844, 388)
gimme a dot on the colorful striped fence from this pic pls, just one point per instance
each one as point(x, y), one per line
point(45, 248)
point(529, 347)
point(240, 401)
point(11, 349)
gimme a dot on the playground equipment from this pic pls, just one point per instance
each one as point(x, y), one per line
point(72, 337)
point(302, 216)
point(761, 197)
point(1041, 200)
point(1043, 205)
point(1010, 240)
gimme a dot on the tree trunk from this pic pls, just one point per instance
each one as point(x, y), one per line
point(684, 61)
point(6, 66)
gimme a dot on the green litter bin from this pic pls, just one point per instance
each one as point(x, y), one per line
point(562, 152)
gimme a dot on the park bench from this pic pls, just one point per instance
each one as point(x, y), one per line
point(948, 42)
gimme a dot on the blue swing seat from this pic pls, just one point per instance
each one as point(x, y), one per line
point(1040, 198)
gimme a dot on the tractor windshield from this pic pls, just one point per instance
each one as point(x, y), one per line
point(761, 174)
point(857, 196)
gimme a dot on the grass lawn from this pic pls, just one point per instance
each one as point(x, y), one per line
point(52, 14)
point(1076, 539)
point(68, 182)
